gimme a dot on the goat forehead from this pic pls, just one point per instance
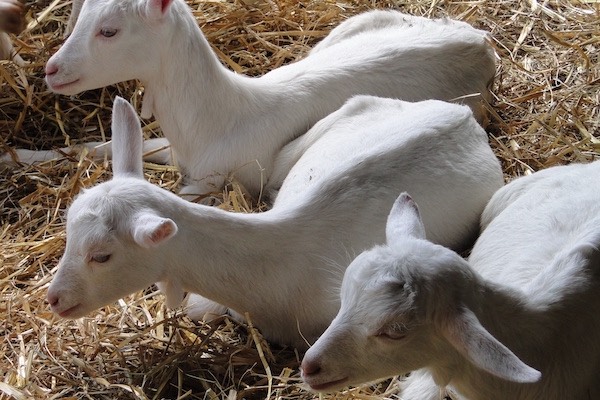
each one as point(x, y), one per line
point(384, 263)
point(368, 266)
point(370, 277)
point(87, 229)
point(96, 11)
point(370, 308)
point(90, 202)
point(105, 4)
point(90, 9)
point(383, 267)
point(100, 207)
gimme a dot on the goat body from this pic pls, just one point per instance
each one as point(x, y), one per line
point(220, 123)
point(527, 298)
point(282, 266)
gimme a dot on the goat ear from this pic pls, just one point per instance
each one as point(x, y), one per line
point(404, 220)
point(150, 230)
point(127, 140)
point(466, 334)
point(156, 9)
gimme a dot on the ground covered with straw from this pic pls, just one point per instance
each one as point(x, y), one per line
point(546, 112)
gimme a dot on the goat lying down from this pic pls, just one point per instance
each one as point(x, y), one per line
point(281, 266)
point(519, 320)
point(220, 123)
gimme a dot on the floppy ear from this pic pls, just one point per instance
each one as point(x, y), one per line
point(404, 221)
point(150, 230)
point(156, 9)
point(466, 334)
point(127, 140)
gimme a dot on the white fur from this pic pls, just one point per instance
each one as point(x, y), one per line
point(154, 151)
point(282, 266)
point(530, 291)
point(221, 123)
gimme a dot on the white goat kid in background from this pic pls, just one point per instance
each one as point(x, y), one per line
point(282, 266)
point(219, 122)
point(530, 291)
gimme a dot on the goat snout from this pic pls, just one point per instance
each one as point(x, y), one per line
point(310, 367)
point(51, 68)
point(319, 379)
point(52, 299)
point(61, 304)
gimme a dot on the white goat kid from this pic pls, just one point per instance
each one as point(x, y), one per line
point(282, 266)
point(532, 285)
point(219, 122)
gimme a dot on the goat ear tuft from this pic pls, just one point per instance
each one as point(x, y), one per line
point(466, 334)
point(404, 220)
point(150, 230)
point(127, 141)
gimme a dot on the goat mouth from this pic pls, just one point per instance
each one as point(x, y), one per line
point(69, 311)
point(320, 387)
point(61, 86)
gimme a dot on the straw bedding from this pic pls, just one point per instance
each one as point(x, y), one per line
point(545, 112)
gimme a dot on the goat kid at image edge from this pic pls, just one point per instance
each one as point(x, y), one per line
point(529, 291)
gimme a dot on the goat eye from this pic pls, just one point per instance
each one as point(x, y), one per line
point(108, 32)
point(100, 258)
point(392, 332)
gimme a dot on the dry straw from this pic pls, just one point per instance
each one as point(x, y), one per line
point(546, 112)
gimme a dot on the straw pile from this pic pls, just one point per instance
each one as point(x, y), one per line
point(546, 112)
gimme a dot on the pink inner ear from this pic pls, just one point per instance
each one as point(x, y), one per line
point(162, 232)
point(165, 4)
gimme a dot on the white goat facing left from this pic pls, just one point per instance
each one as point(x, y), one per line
point(530, 292)
point(220, 123)
point(283, 265)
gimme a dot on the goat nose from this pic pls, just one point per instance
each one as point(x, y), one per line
point(51, 68)
point(310, 367)
point(52, 299)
